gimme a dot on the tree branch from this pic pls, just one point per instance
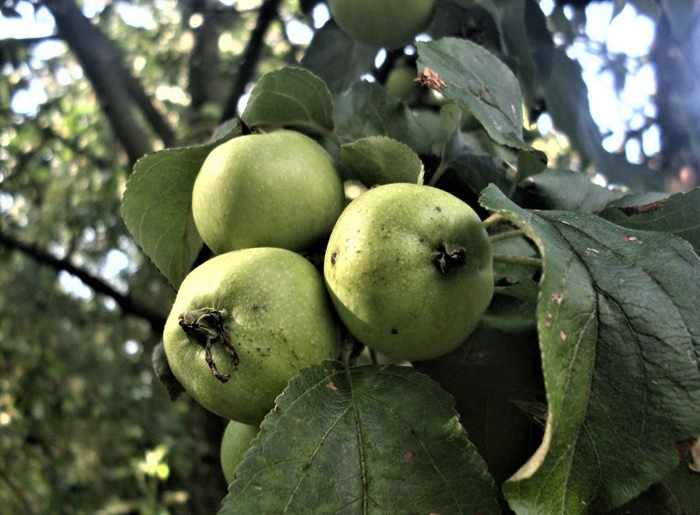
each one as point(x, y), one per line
point(125, 302)
point(117, 89)
point(268, 12)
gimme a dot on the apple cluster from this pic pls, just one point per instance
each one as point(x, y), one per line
point(408, 271)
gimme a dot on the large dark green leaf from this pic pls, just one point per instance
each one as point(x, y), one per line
point(620, 342)
point(678, 214)
point(494, 376)
point(367, 109)
point(330, 47)
point(157, 207)
point(365, 440)
point(676, 494)
point(291, 97)
point(566, 190)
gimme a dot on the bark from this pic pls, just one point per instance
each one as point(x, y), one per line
point(125, 302)
point(249, 64)
point(205, 80)
point(678, 91)
point(208, 487)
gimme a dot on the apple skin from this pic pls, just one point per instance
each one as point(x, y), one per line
point(384, 278)
point(234, 444)
point(276, 311)
point(382, 23)
point(279, 189)
point(402, 84)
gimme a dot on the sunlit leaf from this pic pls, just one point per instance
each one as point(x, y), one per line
point(157, 207)
point(291, 97)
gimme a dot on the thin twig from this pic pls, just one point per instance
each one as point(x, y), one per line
point(125, 302)
point(517, 260)
point(266, 15)
point(506, 235)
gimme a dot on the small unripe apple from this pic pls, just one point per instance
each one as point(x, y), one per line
point(410, 270)
point(234, 444)
point(402, 84)
point(243, 324)
point(266, 190)
point(382, 23)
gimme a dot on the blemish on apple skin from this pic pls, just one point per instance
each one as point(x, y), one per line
point(394, 331)
point(334, 258)
point(409, 456)
point(438, 209)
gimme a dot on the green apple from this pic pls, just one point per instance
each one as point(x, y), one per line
point(243, 324)
point(410, 271)
point(402, 84)
point(234, 444)
point(382, 23)
point(266, 190)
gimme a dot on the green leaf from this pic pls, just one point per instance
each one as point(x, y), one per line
point(528, 43)
point(490, 376)
point(531, 162)
point(566, 190)
point(478, 81)
point(473, 172)
point(676, 494)
point(367, 109)
point(362, 440)
point(157, 207)
point(291, 97)
point(382, 160)
point(164, 373)
point(620, 345)
point(331, 46)
point(678, 214)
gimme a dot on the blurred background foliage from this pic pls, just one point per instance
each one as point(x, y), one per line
point(87, 88)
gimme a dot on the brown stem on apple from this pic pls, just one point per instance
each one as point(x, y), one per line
point(449, 258)
point(205, 327)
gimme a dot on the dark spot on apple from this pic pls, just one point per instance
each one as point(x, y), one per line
point(438, 209)
point(334, 256)
point(394, 331)
point(420, 240)
point(255, 307)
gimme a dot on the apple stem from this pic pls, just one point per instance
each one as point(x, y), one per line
point(204, 327)
point(506, 235)
point(517, 260)
point(494, 218)
point(448, 258)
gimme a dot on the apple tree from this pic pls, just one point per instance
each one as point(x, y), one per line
point(576, 391)
point(398, 295)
